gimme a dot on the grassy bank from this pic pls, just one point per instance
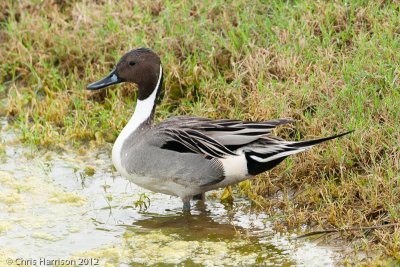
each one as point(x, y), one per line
point(332, 66)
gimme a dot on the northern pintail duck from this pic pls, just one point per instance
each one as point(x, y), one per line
point(186, 156)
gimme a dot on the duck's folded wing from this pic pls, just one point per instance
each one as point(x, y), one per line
point(235, 134)
point(189, 140)
point(231, 134)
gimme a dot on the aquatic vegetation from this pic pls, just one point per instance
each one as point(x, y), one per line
point(143, 202)
point(59, 196)
point(5, 226)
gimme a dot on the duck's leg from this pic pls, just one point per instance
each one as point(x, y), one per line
point(186, 206)
point(199, 197)
point(186, 203)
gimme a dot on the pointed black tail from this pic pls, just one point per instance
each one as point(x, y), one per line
point(275, 151)
point(317, 141)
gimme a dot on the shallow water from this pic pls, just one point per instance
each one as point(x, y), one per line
point(75, 209)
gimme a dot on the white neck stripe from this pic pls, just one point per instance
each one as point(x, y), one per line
point(143, 111)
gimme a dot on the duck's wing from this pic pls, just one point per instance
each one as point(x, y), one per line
point(182, 140)
point(213, 138)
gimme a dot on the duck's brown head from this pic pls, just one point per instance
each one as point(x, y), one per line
point(141, 66)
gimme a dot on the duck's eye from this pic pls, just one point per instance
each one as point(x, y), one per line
point(131, 63)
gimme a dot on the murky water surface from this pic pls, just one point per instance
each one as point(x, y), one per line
point(72, 210)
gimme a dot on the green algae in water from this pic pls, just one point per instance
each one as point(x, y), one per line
point(45, 236)
point(156, 248)
point(5, 226)
point(71, 198)
point(2, 151)
point(90, 170)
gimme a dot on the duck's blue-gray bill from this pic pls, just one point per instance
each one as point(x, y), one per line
point(111, 78)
